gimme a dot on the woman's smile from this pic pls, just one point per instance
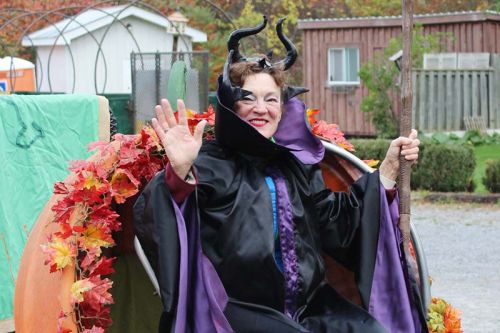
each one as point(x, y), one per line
point(258, 122)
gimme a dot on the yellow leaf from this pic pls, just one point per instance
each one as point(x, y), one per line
point(78, 288)
point(90, 181)
point(371, 163)
point(94, 237)
point(61, 253)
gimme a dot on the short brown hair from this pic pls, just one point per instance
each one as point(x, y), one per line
point(238, 72)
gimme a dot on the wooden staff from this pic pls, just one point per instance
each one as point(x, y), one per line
point(405, 123)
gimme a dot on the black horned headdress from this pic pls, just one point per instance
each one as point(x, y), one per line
point(234, 42)
point(234, 93)
point(230, 130)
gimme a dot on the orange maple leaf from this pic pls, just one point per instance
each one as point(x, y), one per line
point(94, 237)
point(310, 116)
point(123, 185)
point(452, 320)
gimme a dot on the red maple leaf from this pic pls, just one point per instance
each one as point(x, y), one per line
point(128, 153)
point(63, 209)
point(149, 140)
point(65, 230)
point(94, 329)
point(146, 166)
point(98, 295)
point(103, 214)
point(60, 188)
point(332, 133)
point(92, 317)
point(102, 267)
point(90, 257)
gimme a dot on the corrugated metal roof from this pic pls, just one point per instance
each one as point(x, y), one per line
point(92, 19)
point(392, 21)
point(399, 16)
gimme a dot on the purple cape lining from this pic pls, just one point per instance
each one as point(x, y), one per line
point(390, 299)
point(287, 242)
point(202, 298)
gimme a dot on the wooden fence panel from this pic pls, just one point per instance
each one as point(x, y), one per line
point(442, 98)
point(457, 111)
point(467, 94)
point(440, 120)
point(495, 92)
point(483, 93)
point(450, 98)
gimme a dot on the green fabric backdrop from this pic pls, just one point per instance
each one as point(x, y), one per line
point(39, 134)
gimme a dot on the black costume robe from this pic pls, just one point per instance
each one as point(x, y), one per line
point(236, 231)
point(232, 205)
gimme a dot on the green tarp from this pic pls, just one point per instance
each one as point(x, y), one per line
point(39, 135)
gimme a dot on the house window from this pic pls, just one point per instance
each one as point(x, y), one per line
point(343, 66)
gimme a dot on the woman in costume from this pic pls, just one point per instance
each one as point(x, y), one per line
point(235, 228)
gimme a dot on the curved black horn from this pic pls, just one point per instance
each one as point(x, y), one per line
point(291, 54)
point(234, 39)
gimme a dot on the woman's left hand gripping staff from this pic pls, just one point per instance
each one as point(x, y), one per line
point(402, 146)
point(181, 147)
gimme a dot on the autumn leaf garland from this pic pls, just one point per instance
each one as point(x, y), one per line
point(86, 219)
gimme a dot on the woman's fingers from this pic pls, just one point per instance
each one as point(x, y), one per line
point(401, 142)
point(160, 118)
point(413, 144)
point(168, 113)
point(160, 131)
point(181, 109)
point(409, 151)
point(198, 130)
point(412, 157)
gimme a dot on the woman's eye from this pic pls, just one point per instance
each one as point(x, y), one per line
point(248, 98)
point(273, 99)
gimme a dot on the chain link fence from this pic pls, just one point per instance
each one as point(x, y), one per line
point(150, 77)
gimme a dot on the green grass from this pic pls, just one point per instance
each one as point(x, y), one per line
point(483, 153)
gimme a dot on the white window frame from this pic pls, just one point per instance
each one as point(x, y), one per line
point(342, 83)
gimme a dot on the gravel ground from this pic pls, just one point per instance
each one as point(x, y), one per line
point(462, 246)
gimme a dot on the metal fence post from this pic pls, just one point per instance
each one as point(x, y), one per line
point(157, 76)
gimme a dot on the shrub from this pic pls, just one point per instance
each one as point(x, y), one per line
point(491, 179)
point(368, 149)
point(472, 137)
point(441, 167)
point(445, 168)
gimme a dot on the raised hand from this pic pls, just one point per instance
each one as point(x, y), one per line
point(404, 146)
point(181, 147)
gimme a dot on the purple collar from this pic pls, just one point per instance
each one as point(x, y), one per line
point(294, 133)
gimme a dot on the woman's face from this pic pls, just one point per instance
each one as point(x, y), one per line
point(261, 109)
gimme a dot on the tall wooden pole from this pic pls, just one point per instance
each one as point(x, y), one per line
point(405, 122)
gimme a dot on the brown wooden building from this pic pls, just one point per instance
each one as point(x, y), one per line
point(334, 49)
